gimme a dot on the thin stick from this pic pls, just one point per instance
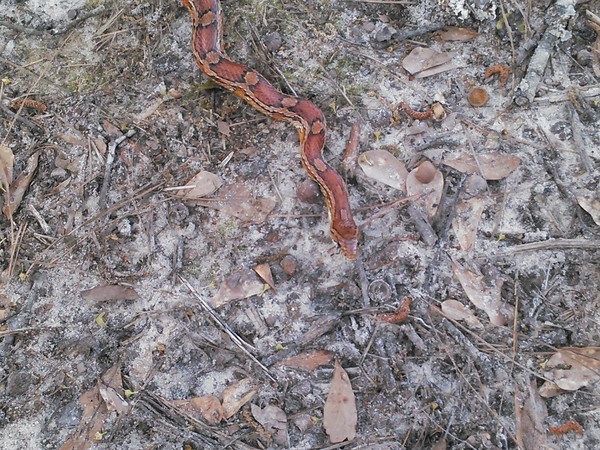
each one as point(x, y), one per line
point(226, 328)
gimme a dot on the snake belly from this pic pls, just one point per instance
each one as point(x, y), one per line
point(246, 83)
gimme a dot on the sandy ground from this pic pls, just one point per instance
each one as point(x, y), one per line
point(500, 269)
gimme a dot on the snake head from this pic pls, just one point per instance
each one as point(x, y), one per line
point(346, 236)
point(349, 248)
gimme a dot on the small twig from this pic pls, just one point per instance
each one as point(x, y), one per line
point(15, 243)
point(16, 331)
point(350, 156)
point(63, 30)
point(41, 221)
point(557, 17)
point(94, 12)
point(226, 328)
point(17, 117)
point(418, 31)
point(110, 159)
point(142, 192)
point(364, 284)
point(578, 139)
point(550, 244)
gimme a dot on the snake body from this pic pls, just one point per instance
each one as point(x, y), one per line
point(246, 83)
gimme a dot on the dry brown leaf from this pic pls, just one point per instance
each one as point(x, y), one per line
point(109, 292)
point(458, 34)
point(339, 413)
point(382, 166)
point(7, 162)
point(236, 200)
point(240, 284)
point(423, 62)
point(207, 407)
point(111, 387)
point(92, 421)
point(484, 294)
point(530, 417)
point(95, 412)
point(571, 368)
point(274, 420)
point(202, 184)
point(426, 182)
point(264, 271)
point(466, 221)
point(455, 310)
point(237, 395)
point(210, 407)
point(491, 166)
point(19, 186)
point(590, 202)
point(308, 361)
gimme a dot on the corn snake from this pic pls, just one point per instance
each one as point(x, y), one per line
point(305, 116)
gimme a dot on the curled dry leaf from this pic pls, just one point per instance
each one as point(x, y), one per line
point(427, 183)
point(109, 292)
point(466, 221)
point(237, 395)
point(202, 184)
point(264, 271)
point(399, 316)
point(236, 200)
point(571, 368)
point(382, 166)
point(484, 294)
point(240, 284)
point(423, 62)
point(19, 186)
point(455, 310)
point(339, 413)
point(457, 34)
point(491, 166)
point(274, 421)
point(569, 426)
point(308, 361)
point(590, 202)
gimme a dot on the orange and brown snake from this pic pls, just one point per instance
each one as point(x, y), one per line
point(207, 46)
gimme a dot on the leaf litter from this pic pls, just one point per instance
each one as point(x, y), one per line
point(409, 372)
point(339, 412)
